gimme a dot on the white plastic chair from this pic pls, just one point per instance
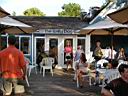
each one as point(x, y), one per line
point(89, 57)
point(26, 77)
point(85, 76)
point(46, 64)
point(31, 66)
point(110, 75)
point(101, 62)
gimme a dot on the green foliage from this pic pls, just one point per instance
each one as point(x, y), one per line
point(70, 10)
point(33, 12)
point(13, 13)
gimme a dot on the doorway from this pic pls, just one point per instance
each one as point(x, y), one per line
point(39, 52)
point(53, 50)
point(81, 42)
point(68, 48)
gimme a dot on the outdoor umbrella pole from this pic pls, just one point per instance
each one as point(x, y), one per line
point(112, 34)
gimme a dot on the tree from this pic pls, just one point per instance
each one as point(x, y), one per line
point(70, 10)
point(13, 13)
point(33, 12)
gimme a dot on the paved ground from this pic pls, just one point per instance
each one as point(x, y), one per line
point(60, 84)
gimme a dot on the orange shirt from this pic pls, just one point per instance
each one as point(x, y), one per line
point(11, 62)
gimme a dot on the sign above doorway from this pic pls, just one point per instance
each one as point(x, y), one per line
point(57, 31)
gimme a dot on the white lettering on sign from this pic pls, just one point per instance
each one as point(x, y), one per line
point(57, 31)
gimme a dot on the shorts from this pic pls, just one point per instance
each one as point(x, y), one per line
point(9, 84)
point(68, 57)
point(83, 73)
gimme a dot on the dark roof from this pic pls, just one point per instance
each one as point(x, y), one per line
point(41, 22)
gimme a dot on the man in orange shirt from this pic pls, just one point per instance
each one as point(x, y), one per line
point(12, 66)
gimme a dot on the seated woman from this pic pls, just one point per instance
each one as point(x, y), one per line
point(82, 69)
point(121, 55)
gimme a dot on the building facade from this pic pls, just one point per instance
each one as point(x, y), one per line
point(50, 38)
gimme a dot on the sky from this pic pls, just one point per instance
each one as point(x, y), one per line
point(49, 7)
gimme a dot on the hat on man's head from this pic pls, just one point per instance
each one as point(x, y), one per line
point(11, 36)
point(11, 39)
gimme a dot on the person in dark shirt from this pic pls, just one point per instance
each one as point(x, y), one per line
point(119, 86)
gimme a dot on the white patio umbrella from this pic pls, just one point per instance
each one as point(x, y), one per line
point(10, 25)
point(106, 27)
point(106, 23)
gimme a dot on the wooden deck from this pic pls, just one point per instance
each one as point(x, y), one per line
point(60, 84)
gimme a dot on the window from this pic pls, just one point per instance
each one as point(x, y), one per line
point(82, 43)
point(3, 42)
point(17, 42)
point(25, 45)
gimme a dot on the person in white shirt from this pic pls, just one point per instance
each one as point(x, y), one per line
point(111, 54)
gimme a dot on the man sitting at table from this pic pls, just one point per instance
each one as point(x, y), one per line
point(119, 86)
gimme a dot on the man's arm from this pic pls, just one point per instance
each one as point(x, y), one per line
point(105, 92)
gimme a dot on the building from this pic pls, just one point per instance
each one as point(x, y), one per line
point(50, 37)
point(52, 34)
